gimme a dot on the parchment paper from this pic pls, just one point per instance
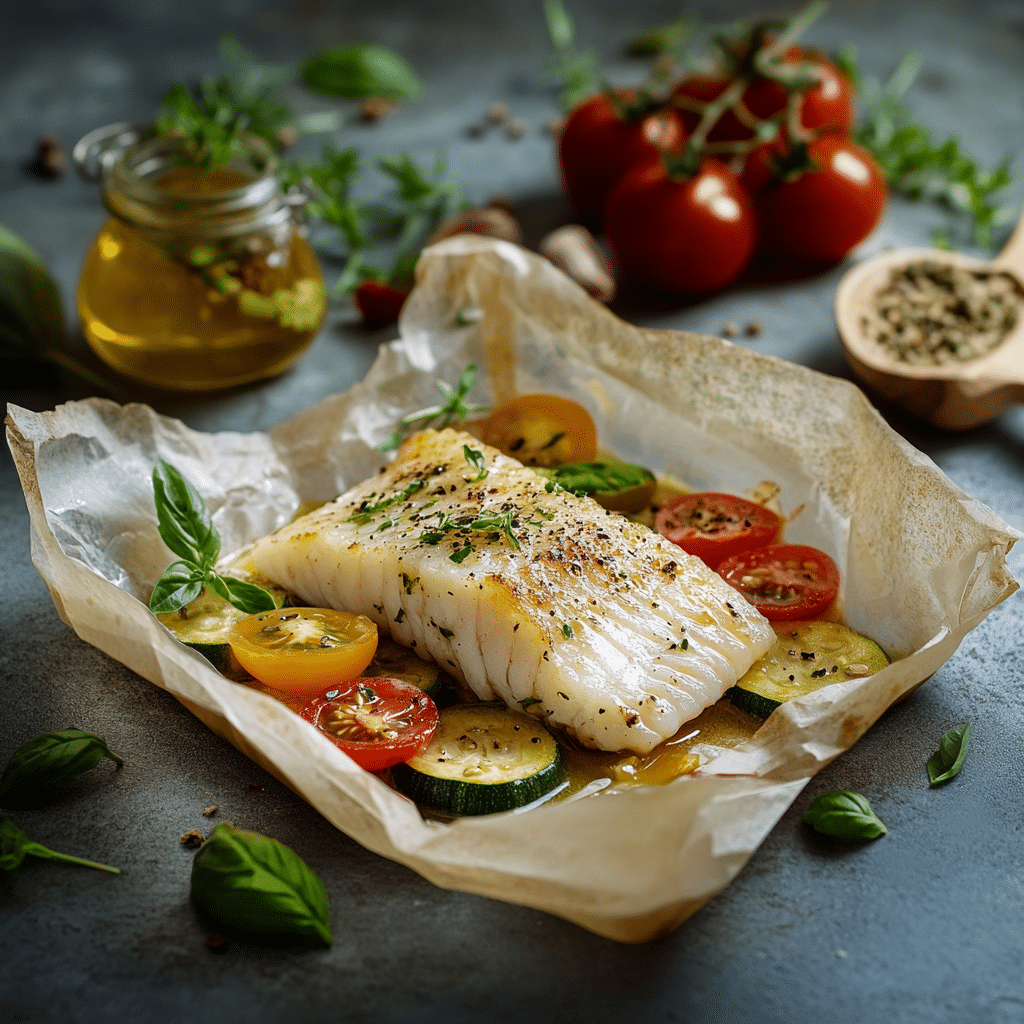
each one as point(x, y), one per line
point(922, 564)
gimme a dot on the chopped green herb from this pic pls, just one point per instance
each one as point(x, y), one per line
point(446, 633)
point(477, 459)
point(567, 631)
point(365, 512)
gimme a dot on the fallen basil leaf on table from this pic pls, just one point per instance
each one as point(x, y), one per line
point(254, 885)
point(361, 70)
point(49, 761)
point(15, 846)
point(844, 814)
point(947, 761)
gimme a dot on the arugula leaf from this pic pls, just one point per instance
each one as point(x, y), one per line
point(363, 69)
point(187, 529)
point(844, 814)
point(254, 885)
point(947, 761)
point(45, 763)
point(15, 846)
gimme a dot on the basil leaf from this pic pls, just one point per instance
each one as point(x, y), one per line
point(246, 597)
point(844, 814)
point(600, 477)
point(253, 885)
point(31, 314)
point(947, 761)
point(180, 584)
point(49, 761)
point(185, 524)
point(15, 846)
point(362, 70)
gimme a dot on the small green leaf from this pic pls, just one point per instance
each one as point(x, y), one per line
point(15, 846)
point(947, 761)
point(246, 597)
point(477, 459)
point(47, 762)
point(844, 814)
point(254, 885)
point(362, 70)
point(180, 584)
point(185, 524)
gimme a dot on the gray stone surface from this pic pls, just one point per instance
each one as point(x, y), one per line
point(924, 925)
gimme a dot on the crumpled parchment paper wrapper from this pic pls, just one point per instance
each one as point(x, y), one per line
point(922, 564)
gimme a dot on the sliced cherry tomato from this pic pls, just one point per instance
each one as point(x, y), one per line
point(542, 430)
point(303, 650)
point(378, 722)
point(379, 304)
point(784, 581)
point(715, 526)
point(682, 236)
point(598, 145)
point(821, 214)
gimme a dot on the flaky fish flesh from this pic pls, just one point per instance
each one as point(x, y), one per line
point(525, 592)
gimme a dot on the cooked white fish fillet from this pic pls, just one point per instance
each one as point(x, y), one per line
point(530, 595)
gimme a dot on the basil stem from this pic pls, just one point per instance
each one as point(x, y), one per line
point(844, 814)
point(49, 761)
point(253, 885)
point(947, 761)
point(15, 846)
point(187, 529)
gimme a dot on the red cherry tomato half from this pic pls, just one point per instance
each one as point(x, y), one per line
point(784, 581)
point(597, 146)
point(822, 214)
point(680, 236)
point(378, 722)
point(715, 526)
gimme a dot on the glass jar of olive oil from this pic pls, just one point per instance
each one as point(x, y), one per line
point(199, 279)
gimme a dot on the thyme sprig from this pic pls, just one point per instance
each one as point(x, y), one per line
point(917, 165)
point(454, 408)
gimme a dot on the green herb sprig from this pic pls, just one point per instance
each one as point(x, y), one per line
point(917, 165)
point(946, 762)
point(253, 885)
point(455, 408)
point(844, 814)
point(15, 846)
point(39, 767)
point(575, 72)
point(186, 528)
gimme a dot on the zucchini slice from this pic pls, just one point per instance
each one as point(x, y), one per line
point(204, 624)
point(483, 758)
point(805, 657)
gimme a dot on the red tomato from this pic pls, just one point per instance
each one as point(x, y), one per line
point(828, 104)
point(379, 304)
point(680, 236)
point(715, 526)
point(820, 215)
point(378, 722)
point(597, 147)
point(784, 581)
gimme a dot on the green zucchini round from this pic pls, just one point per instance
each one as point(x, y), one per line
point(483, 759)
point(805, 657)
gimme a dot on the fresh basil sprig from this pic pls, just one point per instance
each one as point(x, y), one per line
point(186, 528)
point(947, 761)
point(49, 761)
point(15, 846)
point(361, 70)
point(253, 885)
point(844, 814)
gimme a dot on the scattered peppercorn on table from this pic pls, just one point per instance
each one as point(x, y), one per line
point(873, 919)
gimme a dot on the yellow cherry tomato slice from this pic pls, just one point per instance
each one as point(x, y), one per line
point(542, 430)
point(304, 650)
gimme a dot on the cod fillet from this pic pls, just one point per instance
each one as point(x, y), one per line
point(524, 592)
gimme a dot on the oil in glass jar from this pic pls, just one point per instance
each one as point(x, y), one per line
point(199, 279)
